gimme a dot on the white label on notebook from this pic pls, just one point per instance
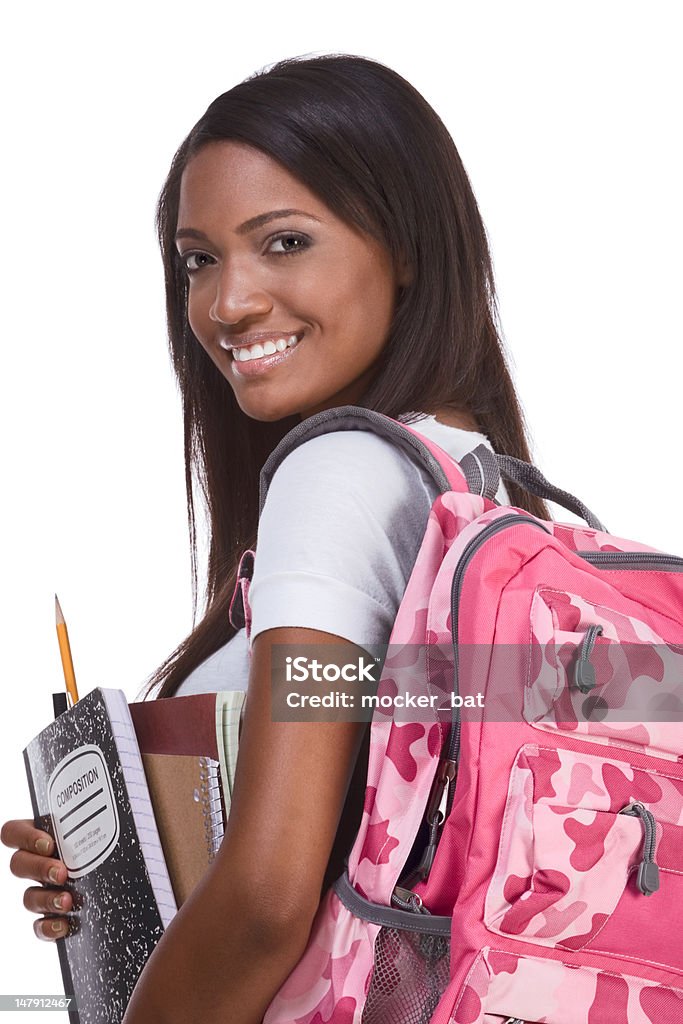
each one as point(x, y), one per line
point(83, 810)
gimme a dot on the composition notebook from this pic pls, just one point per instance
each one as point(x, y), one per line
point(89, 789)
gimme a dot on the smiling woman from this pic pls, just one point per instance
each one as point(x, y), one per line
point(294, 270)
point(322, 247)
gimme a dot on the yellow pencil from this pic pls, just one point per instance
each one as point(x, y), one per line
point(65, 651)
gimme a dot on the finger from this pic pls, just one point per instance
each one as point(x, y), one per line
point(23, 835)
point(48, 901)
point(37, 868)
point(52, 928)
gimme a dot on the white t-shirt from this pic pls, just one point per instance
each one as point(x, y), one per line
point(337, 540)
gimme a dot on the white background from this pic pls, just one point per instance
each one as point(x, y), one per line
point(566, 116)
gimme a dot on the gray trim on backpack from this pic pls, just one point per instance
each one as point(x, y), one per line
point(533, 481)
point(388, 917)
point(481, 467)
point(350, 417)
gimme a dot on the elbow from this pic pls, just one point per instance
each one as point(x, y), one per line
point(272, 911)
point(276, 917)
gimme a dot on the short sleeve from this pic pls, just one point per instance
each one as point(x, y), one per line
point(338, 536)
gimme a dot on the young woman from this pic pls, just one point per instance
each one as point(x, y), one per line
point(322, 247)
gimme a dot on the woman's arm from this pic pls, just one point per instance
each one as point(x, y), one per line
point(242, 931)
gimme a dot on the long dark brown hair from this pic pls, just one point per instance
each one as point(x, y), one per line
point(371, 148)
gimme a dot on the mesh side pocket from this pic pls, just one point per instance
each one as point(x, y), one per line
point(410, 975)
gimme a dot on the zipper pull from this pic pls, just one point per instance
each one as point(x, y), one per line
point(438, 796)
point(584, 672)
point(422, 869)
point(435, 815)
point(648, 871)
point(406, 899)
point(514, 1020)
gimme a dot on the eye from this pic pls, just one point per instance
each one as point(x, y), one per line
point(289, 243)
point(194, 261)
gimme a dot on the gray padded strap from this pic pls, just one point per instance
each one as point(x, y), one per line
point(480, 467)
point(388, 917)
point(350, 417)
point(533, 481)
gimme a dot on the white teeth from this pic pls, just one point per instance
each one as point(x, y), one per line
point(269, 348)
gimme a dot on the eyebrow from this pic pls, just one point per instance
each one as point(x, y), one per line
point(248, 225)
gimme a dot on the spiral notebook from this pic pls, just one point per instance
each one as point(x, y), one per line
point(189, 751)
point(186, 796)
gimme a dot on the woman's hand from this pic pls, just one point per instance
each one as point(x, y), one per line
point(33, 859)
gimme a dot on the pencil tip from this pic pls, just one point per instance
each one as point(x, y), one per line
point(58, 611)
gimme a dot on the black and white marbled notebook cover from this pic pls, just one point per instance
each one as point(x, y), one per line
point(115, 854)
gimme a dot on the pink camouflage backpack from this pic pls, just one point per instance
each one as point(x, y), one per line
point(520, 855)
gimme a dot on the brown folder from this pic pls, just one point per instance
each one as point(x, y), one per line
point(188, 743)
point(185, 793)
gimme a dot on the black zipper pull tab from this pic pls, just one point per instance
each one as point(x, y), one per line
point(435, 815)
point(584, 672)
point(648, 871)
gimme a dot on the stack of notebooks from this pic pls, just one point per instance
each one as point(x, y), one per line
point(136, 797)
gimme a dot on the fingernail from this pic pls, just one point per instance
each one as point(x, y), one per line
point(58, 902)
point(58, 927)
point(53, 875)
point(43, 845)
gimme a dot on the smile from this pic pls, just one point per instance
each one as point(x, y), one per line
point(253, 360)
point(257, 351)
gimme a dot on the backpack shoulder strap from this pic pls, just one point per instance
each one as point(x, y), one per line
point(445, 471)
point(478, 472)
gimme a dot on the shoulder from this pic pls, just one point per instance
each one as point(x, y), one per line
point(348, 464)
point(338, 535)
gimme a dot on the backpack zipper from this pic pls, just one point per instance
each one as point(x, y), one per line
point(502, 523)
point(638, 560)
point(648, 871)
point(443, 786)
point(584, 672)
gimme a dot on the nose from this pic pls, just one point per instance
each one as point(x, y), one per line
point(238, 295)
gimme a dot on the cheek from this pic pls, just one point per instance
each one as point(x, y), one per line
point(367, 306)
point(196, 316)
point(356, 293)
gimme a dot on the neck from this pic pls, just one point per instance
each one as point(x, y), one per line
point(453, 418)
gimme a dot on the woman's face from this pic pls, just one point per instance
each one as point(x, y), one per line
point(268, 262)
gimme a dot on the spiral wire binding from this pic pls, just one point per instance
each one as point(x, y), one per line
point(210, 795)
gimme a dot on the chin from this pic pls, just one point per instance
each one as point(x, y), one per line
point(269, 412)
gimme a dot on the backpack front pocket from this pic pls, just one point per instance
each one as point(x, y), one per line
point(590, 856)
point(502, 988)
point(604, 674)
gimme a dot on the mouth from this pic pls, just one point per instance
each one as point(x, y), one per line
point(275, 345)
point(259, 358)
